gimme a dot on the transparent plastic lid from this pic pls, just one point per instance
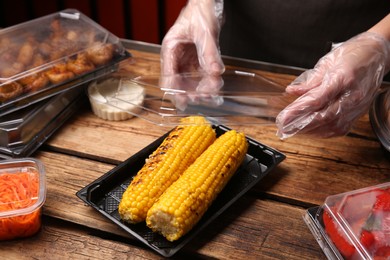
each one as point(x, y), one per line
point(357, 223)
point(236, 97)
point(51, 54)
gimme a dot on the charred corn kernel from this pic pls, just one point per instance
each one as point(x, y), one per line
point(164, 166)
point(183, 204)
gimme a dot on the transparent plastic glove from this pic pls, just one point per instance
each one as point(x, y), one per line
point(192, 43)
point(338, 90)
point(187, 89)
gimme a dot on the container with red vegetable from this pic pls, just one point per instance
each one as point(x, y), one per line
point(22, 195)
point(353, 225)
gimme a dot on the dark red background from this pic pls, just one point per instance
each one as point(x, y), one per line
point(141, 20)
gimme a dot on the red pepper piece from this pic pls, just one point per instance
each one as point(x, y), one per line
point(382, 253)
point(367, 239)
point(382, 203)
point(377, 227)
point(338, 239)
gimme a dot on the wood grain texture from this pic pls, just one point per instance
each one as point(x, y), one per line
point(253, 226)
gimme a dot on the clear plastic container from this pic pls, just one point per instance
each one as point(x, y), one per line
point(235, 98)
point(124, 97)
point(23, 193)
point(353, 225)
point(380, 119)
point(20, 127)
point(51, 54)
point(23, 131)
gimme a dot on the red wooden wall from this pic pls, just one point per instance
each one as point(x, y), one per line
point(142, 20)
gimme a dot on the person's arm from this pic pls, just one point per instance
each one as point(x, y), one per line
point(382, 28)
point(341, 86)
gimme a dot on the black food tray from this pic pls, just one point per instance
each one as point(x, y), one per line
point(104, 194)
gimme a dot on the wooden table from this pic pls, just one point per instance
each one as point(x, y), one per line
point(266, 223)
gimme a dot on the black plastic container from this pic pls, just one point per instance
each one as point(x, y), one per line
point(24, 131)
point(105, 193)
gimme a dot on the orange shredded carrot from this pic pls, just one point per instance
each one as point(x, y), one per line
point(18, 191)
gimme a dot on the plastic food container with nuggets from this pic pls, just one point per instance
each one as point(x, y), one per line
point(48, 55)
point(235, 98)
point(22, 195)
point(353, 225)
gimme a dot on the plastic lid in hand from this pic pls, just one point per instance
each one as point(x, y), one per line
point(236, 97)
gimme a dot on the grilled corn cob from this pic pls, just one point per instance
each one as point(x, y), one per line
point(183, 204)
point(164, 166)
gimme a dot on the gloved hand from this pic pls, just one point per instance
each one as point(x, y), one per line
point(192, 43)
point(183, 89)
point(338, 90)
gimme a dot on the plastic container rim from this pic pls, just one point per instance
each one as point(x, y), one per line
point(19, 163)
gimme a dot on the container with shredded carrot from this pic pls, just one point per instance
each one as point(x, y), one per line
point(22, 195)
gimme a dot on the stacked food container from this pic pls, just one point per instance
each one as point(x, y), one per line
point(44, 65)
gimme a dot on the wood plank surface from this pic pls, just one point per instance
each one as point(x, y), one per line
point(73, 242)
point(253, 226)
point(231, 237)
